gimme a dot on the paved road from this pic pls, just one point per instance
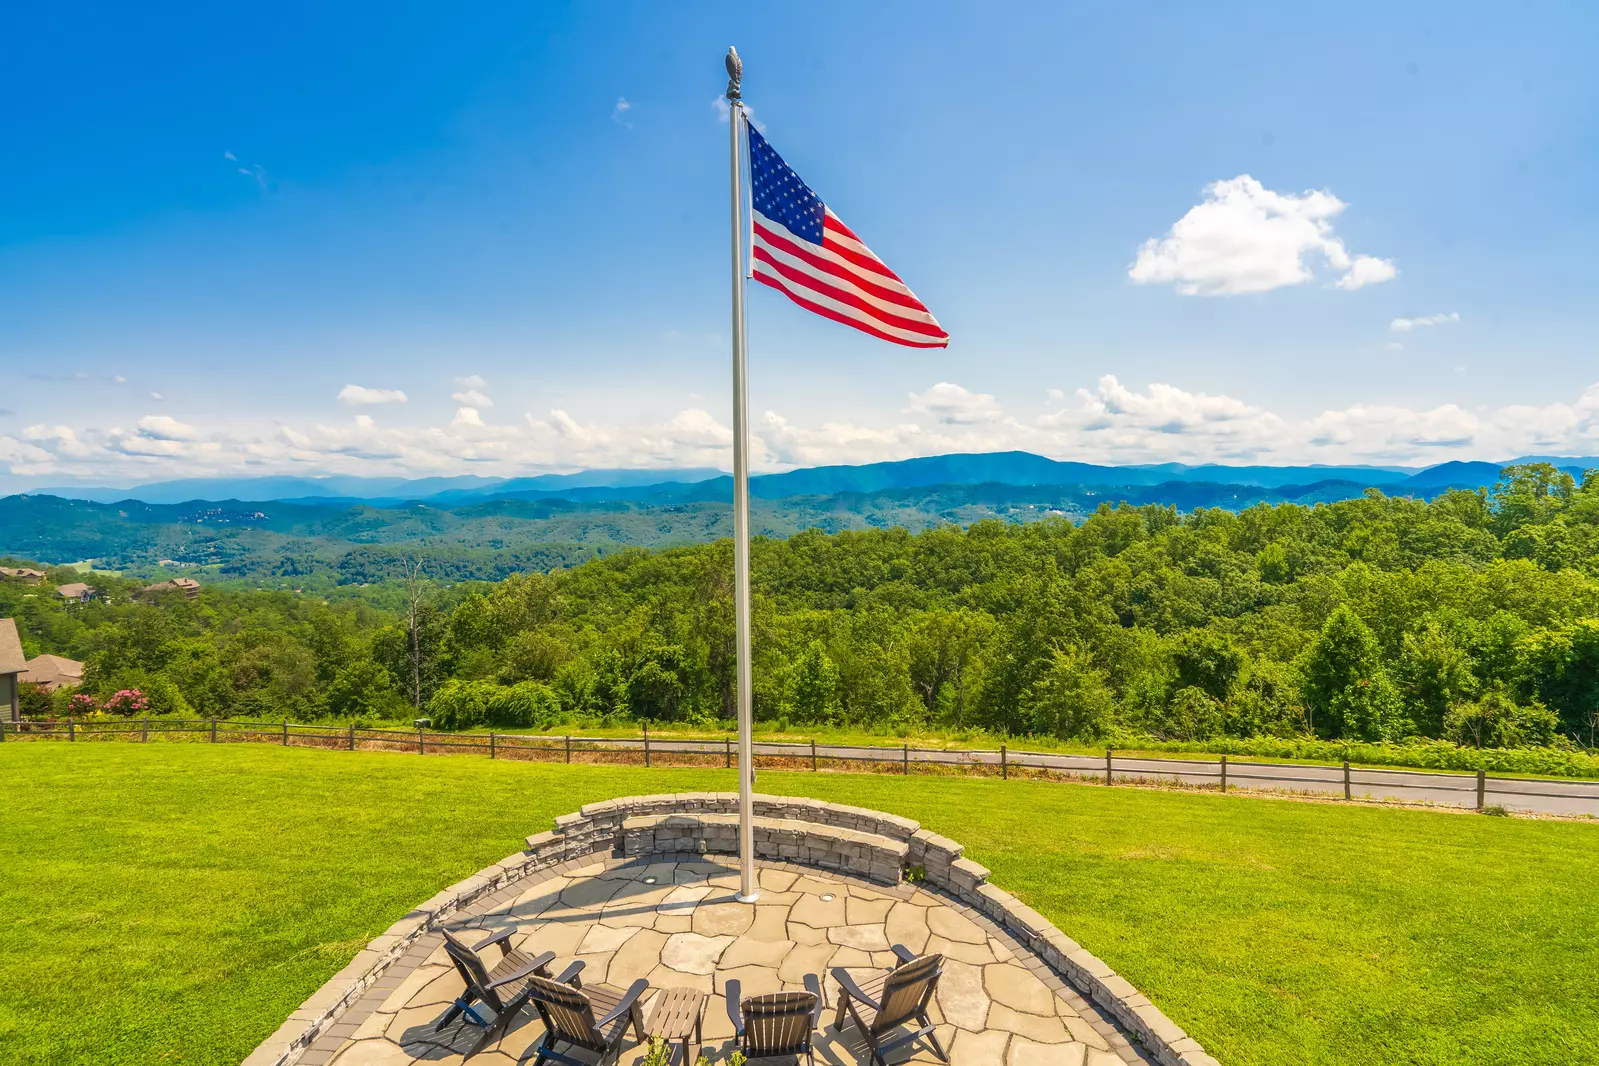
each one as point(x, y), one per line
point(1410, 786)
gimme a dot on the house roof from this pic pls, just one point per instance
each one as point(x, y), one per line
point(53, 670)
point(12, 661)
point(77, 588)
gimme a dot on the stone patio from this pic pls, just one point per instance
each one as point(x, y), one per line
point(676, 923)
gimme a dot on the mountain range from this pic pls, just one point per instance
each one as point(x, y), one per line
point(702, 484)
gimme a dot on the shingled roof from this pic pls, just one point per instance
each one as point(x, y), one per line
point(12, 661)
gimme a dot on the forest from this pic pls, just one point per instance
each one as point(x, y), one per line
point(1471, 619)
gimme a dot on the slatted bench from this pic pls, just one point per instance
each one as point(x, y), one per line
point(868, 855)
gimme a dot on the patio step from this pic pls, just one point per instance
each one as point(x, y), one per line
point(877, 858)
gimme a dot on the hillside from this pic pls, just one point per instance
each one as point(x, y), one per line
point(337, 542)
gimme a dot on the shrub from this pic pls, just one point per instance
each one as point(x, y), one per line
point(158, 694)
point(1497, 721)
point(127, 702)
point(363, 689)
point(466, 704)
point(527, 704)
point(33, 701)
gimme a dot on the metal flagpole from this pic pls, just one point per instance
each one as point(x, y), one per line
point(741, 497)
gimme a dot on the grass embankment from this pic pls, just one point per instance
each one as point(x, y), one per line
point(173, 903)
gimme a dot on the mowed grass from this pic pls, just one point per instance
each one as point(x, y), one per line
point(173, 903)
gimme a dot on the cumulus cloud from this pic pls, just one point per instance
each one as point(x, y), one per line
point(360, 395)
point(1244, 237)
point(165, 427)
point(1108, 422)
point(619, 113)
point(955, 405)
point(1405, 325)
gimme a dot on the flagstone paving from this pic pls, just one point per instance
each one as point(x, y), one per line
point(677, 924)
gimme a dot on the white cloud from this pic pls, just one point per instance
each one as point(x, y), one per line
point(165, 427)
point(157, 396)
point(1405, 325)
point(471, 398)
point(358, 395)
point(1110, 422)
point(619, 113)
point(120, 380)
point(955, 405)
point(1246, 238)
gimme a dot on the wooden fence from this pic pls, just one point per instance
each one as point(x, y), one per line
point(1344, 781)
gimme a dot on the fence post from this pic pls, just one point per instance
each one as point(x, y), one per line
point(1346, 779)
point(352, 736)
point(1109, 777)
point(491, 743)
point(568, 747)
point(1482, 787)
point(213, 730)
point(727, 747)
point(72, 729)
point(813, 755)
point(1224, 774)
point(646, 726)
point(421, 742)
point(906, 757)
point(1004, 763)
point(285, 732)
point(146, 737)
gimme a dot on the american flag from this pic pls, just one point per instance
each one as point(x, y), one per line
point(802, 250)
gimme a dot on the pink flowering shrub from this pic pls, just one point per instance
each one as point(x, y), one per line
point(127, 701)
point(81, 704)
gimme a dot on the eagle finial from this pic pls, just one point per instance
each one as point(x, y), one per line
point(735, 73)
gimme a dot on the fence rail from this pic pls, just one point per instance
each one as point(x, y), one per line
point(1343, 781)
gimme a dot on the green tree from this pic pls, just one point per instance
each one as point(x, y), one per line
point(1435, 674)
point(1070, 699)
point(813, 686)
point(1346, 689)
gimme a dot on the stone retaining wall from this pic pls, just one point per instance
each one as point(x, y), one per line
point(602, 828)
point(868, 855)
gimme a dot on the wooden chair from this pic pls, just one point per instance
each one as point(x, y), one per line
point(594, 1019)
point(883, 1004)
point(503, 986)
point(778, 1023)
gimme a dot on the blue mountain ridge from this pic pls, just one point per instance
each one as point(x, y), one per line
point(700, 484)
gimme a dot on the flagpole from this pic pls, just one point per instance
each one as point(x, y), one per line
point(741, 498)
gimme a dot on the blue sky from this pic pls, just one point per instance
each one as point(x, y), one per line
point(1154, 232)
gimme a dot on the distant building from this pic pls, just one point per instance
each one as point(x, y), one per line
point(76, 591)
point(22, 574)
point(12, 664)
point(51, 672)
point(186, 585)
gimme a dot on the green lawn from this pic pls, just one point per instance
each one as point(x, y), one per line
point(172, 903)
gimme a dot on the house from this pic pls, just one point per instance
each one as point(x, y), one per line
point(186, 585)
point(22, 574)
point(12, 664)
point(77, 591)
point(51, 672)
